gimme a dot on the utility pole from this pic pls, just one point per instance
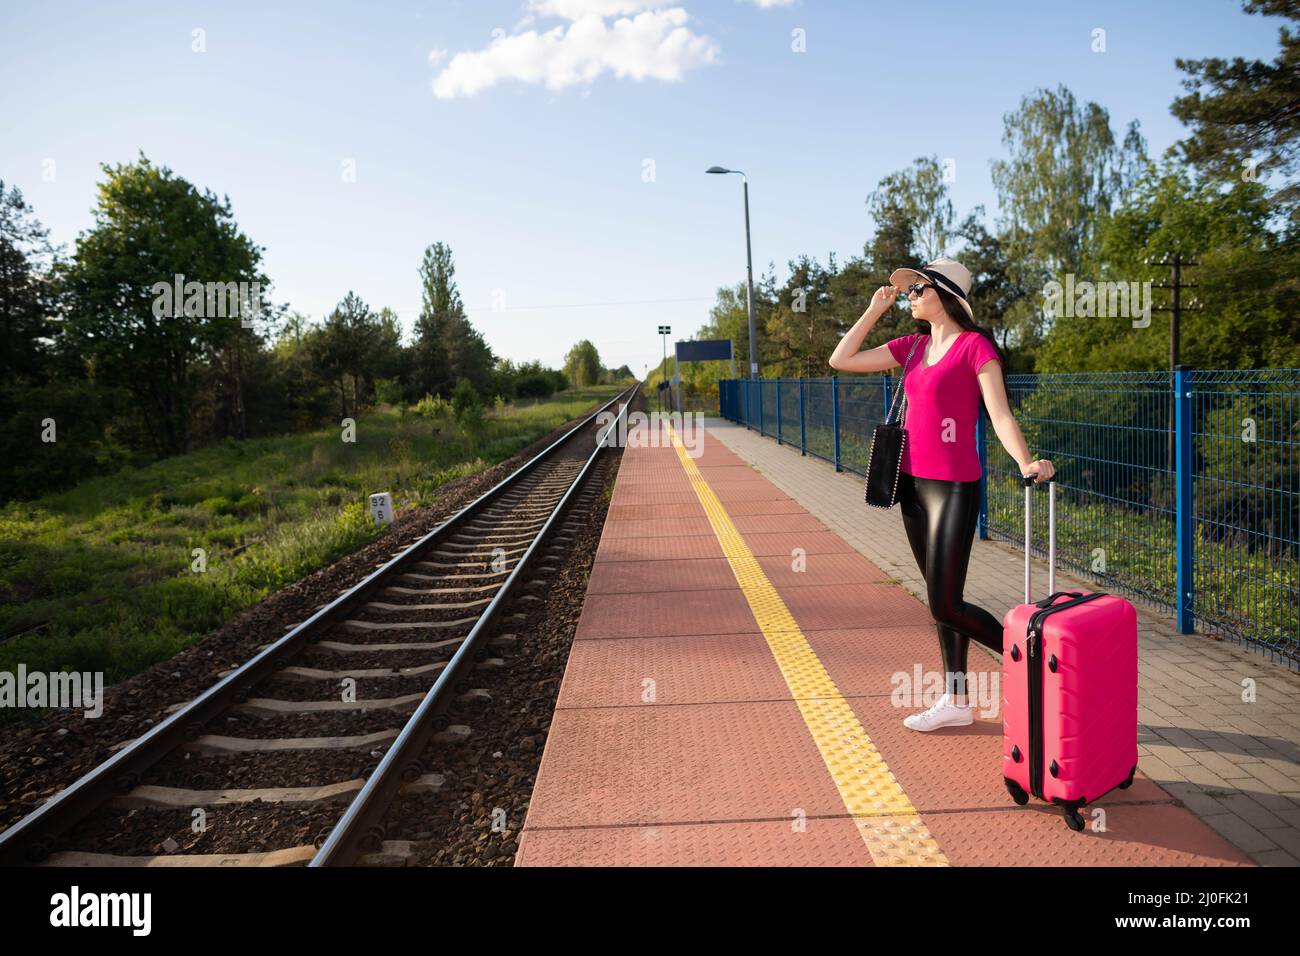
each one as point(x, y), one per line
point(1175, 309)
point(1175, 285)
point(665, 331)
point(676, 390)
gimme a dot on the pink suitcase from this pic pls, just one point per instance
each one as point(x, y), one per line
point(1069, 690)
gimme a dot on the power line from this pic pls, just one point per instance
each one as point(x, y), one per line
point(572, 305)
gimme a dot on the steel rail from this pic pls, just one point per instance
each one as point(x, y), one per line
point(32, 838)
point(360, 823)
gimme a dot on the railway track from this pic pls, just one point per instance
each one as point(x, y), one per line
point(295, 755)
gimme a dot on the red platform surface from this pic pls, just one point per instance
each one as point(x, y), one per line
point(677, 739)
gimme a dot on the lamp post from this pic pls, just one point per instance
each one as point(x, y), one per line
point(749, 271)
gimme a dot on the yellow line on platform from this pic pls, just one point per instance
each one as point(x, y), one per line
point(888, 822)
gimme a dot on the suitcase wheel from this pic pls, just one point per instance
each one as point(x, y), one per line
point(1129, 782)
point(1073, 819)
point(1017, 792)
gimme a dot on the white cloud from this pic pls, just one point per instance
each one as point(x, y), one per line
point(577, 9)
point(655, 43)
point(768, 4)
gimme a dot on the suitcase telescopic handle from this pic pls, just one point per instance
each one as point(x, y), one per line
point(1051, 534)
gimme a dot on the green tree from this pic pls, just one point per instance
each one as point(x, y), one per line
point(353, 348)
point(385, 359)
point(893, 243)
point(1245, 112)
point(469, 355)
point(447, 347)
point(26, 289)
point(463, 396)
point(1250, 316)
point(303, 389)
point(582, 364)
point(918, 196)
point(431, 372)
point(803, 326)
point(151, 226)
point(729, 319)
point(1064, 174)
point(994, 290)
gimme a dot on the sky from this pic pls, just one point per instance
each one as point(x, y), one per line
point(559, 146)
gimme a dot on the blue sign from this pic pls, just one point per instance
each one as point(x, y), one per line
point(709, 350)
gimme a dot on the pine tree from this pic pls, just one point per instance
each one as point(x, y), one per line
point(441, 306)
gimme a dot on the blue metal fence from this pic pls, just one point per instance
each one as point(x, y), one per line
point(1181, 491)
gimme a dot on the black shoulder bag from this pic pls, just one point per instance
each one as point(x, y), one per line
point(885, 459)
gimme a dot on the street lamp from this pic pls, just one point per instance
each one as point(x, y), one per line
point(749, 268)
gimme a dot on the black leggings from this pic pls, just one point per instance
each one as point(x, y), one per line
point(940, 518)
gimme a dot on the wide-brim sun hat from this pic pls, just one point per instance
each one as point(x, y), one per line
point(948, 274)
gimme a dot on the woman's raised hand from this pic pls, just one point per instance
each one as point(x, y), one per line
point(881, 301)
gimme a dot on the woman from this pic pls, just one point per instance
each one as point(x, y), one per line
point(954, 364)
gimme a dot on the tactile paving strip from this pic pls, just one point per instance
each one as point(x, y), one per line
point(886, 819)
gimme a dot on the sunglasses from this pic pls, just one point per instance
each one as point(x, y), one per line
point(919, 288)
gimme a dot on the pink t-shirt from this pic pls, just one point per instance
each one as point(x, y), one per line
point(943, 404)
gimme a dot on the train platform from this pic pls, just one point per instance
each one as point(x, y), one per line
point(753, 635)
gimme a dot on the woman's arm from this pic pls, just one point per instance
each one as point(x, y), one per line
point(846, 356)
point(1005, 425)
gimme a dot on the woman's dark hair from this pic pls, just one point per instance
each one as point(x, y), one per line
point(952, 305)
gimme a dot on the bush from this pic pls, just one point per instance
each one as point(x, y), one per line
point(464, 397)
point(388, 391)
point(432, 406)
point(473, 422)
point(535, 385)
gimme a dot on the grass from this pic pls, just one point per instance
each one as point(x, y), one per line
point(121, 572)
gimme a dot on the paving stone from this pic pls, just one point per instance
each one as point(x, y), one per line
point(1273, 780)
point(1275, 858)
point(1240, 833)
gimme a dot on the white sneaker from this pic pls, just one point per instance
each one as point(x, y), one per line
point(944, 713)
